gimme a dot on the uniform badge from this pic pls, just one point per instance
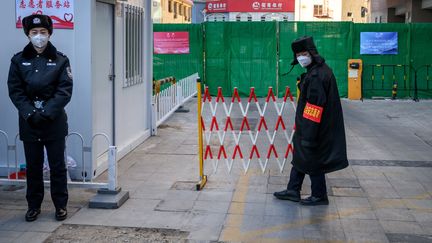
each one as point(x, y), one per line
point(26, 63)
point(69, 72)
point(38, 104)
point(36, 21)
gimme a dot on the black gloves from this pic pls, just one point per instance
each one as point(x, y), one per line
point(37, 120)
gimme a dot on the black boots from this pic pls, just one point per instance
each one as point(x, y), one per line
point(288, 195)
point(314, 201)
point(32, 214)
point(61, 214)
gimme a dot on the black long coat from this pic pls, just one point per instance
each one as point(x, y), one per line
point(319, 138)
point(41, 77)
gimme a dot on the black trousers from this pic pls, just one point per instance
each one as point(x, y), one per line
point(34, 153)
point(318, 186)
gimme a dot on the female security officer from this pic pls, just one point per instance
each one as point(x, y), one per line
point(319, 139)
point(40, 86)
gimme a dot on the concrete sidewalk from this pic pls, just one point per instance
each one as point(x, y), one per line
point(384, 196)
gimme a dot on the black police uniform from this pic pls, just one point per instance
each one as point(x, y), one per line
point(40, 86)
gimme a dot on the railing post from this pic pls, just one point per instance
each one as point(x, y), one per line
point(112, 197)
point(154, 118)
point(112, 168)
point(415, 87)
point(6, 137)
point(202, 177)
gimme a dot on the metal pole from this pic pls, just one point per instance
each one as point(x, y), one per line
point(154, 118)
point(112, 168)
point(202, 177)
point(415, 87)
point(7, 150)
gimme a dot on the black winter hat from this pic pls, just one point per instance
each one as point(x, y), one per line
point(35, 21)
point(301, 44)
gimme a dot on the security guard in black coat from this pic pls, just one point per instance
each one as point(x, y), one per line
point(319, 138)
point(40, 86)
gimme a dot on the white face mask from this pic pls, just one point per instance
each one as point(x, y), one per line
point(39, 40)
point(304, 61)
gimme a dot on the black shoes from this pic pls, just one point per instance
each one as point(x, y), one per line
point(314, 201)
point(295, 197)
point(288, 195)
point(61, 214)
point(32, 214)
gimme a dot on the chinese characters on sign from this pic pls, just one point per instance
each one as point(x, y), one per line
point(217, 6)
point(268, 6)
point(60, 11)
point(171, 42)
point(213, 6)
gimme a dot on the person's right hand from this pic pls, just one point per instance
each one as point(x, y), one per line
point(37, 120)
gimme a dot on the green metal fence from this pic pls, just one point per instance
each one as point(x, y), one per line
point(180, 65)
point(258, 54)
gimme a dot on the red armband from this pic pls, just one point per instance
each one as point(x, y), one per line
point(313, 112)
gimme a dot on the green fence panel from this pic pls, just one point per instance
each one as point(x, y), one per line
point(216, 57)
point(242, 55)
point(253, 56)
point(288, 32)
point(421, 56)
point(258, 54)
point(378, 80)
point(180, 65)
point(333, 41)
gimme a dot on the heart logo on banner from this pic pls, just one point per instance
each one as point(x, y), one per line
point(68, 17)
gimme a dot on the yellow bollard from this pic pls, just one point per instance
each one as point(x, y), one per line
point(202, 177)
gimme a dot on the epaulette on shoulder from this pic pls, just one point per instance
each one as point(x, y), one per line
point(61, 54)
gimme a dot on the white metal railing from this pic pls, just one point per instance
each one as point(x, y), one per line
point(170, 99)
point(110, 185)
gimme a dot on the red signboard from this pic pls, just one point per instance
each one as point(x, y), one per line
point(171, 42)
point(60, 11)
point(219, 6)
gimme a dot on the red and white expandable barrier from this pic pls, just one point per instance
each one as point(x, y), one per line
point(216, 152)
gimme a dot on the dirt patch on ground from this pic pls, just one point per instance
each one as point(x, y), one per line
point(169, 126)
point(89, 233)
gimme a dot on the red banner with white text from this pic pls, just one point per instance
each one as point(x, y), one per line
point(171, 42)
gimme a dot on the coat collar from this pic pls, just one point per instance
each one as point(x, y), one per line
point(50, 51)
point(317, 61)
